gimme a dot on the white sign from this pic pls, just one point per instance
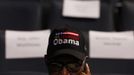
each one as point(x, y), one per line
point(26, 44)
point(115, 45)
point(81, 8)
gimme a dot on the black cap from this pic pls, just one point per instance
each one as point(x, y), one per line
point(66, 41)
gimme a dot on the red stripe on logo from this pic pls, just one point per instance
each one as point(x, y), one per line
point(71, 33)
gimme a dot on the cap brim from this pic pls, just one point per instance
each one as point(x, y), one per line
point(76, 54)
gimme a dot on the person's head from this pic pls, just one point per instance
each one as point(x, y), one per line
point(66, 53)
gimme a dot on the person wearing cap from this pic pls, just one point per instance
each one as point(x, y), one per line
point(67, 53)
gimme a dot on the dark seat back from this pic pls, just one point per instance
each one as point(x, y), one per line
point(20, 15)
point(104, 23)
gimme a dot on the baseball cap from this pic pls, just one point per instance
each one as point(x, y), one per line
point(66, 41)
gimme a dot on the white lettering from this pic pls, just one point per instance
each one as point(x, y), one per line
point(77, 43)
point(66, 41)
point(55, 41)
point(60, 41)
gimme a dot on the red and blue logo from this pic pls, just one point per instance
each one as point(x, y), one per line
point(66, 38)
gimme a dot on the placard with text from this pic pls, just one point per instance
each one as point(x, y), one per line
point(26, 44)
point(114, 45)
point(81, 8)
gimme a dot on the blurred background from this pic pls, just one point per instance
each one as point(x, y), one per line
point(28, 16)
